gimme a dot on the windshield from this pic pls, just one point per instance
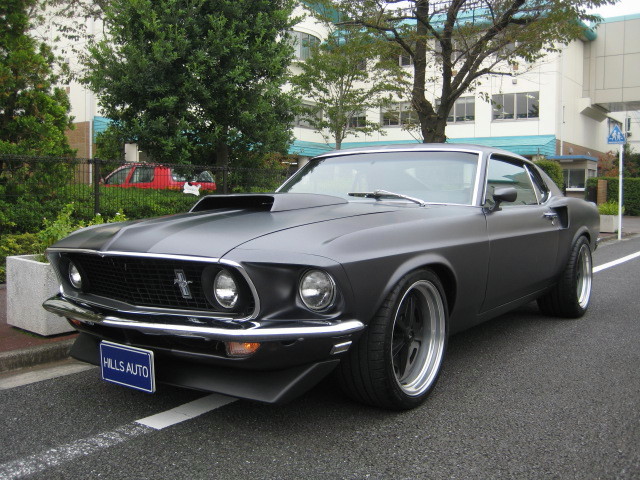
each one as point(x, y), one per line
point(435, 177)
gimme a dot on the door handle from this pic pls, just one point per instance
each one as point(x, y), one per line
point(553, 216)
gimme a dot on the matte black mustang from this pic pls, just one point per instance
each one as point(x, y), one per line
point(363, 262)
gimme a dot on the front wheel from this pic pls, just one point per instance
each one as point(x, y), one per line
point(397, 361)
point(570, 297)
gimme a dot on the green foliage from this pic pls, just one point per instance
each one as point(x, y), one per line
point(63, 225)
point(28, 215)
point(609, 163)
point(110, 143)
point(344, 77)
point(609, 208)
point(33, 113)
point(631, 192)
point(54, 230)
point(451, 49)
point(14, 244)
point(191, 81)
point(553, 169)
point(29, 189)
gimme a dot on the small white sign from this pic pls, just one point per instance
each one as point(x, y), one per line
point(192, 189)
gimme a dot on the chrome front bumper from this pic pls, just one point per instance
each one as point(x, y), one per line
point(248, 331)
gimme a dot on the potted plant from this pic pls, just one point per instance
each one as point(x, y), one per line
point(609, 217)
point(31, 280)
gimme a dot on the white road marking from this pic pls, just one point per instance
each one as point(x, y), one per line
point(65, 453)
point(87, 446)
point(33, 376)
point(616, 262)
point(186, 412)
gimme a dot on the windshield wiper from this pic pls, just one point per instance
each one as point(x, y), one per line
point(378, 194)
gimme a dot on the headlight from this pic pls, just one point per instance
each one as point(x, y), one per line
point(317, 290)
point(225, 289)
point(75, 279)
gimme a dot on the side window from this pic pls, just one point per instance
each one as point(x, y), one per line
point(504, 172)
point(118, 177)
point(538, 183)
point(142, 175)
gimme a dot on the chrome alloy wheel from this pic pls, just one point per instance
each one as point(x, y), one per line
point(584, 275)
point(418, 339)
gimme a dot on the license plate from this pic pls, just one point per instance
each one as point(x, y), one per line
point(128, 366)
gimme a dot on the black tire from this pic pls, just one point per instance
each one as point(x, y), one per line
point(396, 362)
point(570, 297)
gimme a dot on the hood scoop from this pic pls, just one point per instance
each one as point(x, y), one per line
point(268, 202)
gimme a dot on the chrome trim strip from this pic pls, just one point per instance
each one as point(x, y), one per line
point(340, 348)
point(257, 333)
point(168, 256)
point(402, 149)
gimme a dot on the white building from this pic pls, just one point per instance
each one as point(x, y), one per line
point(563, 107)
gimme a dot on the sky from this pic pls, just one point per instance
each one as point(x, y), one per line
point(623, 7)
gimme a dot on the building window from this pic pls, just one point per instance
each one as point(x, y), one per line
point(359, 120)
point(506, 51)
point(515, 106)
point(574, 178)
point(399, 114)
point(302, 44)
point(405, 60)
point(302, 120)
point(464, 110)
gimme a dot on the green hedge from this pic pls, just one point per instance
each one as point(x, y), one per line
point(28, 213)
point(631, 192)
point(553, 169)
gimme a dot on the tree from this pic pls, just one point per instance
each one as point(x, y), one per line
point(193, 81)
point(609, 163)
point(33, 113)
point(343, 78)
point(460, 41)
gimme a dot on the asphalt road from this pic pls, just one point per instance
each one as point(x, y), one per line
point(522, 396)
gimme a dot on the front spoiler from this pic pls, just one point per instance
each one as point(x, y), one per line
point(272, 386)
point(249, 331)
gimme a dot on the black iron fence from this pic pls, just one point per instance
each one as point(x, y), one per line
point(34, 188)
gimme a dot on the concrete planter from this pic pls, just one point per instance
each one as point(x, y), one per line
point(29, 283)
point(608, 223)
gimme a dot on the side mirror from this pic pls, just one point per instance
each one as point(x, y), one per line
point(505, 194)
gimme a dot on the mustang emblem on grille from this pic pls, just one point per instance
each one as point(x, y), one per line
point(183, 283)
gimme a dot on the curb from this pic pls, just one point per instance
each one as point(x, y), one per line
point(29, 357)
point(614, 237)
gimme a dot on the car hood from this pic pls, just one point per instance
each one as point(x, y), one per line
point(218, 224)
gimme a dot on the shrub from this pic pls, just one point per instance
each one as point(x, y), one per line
point(609, 208)
point(631, 192)
point(28, 214)
point(20, 244)
point(54, 230)
point(553, 169)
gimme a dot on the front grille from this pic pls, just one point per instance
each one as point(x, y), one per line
point(144, 281)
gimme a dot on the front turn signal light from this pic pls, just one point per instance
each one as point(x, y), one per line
point(241, 349)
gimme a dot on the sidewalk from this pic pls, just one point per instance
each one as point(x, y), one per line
point(20, 349)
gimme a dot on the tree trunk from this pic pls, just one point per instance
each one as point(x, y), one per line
point(222, 162)
point(433, 129)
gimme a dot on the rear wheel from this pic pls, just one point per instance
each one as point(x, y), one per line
point(570, 297)
point(397, 361)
